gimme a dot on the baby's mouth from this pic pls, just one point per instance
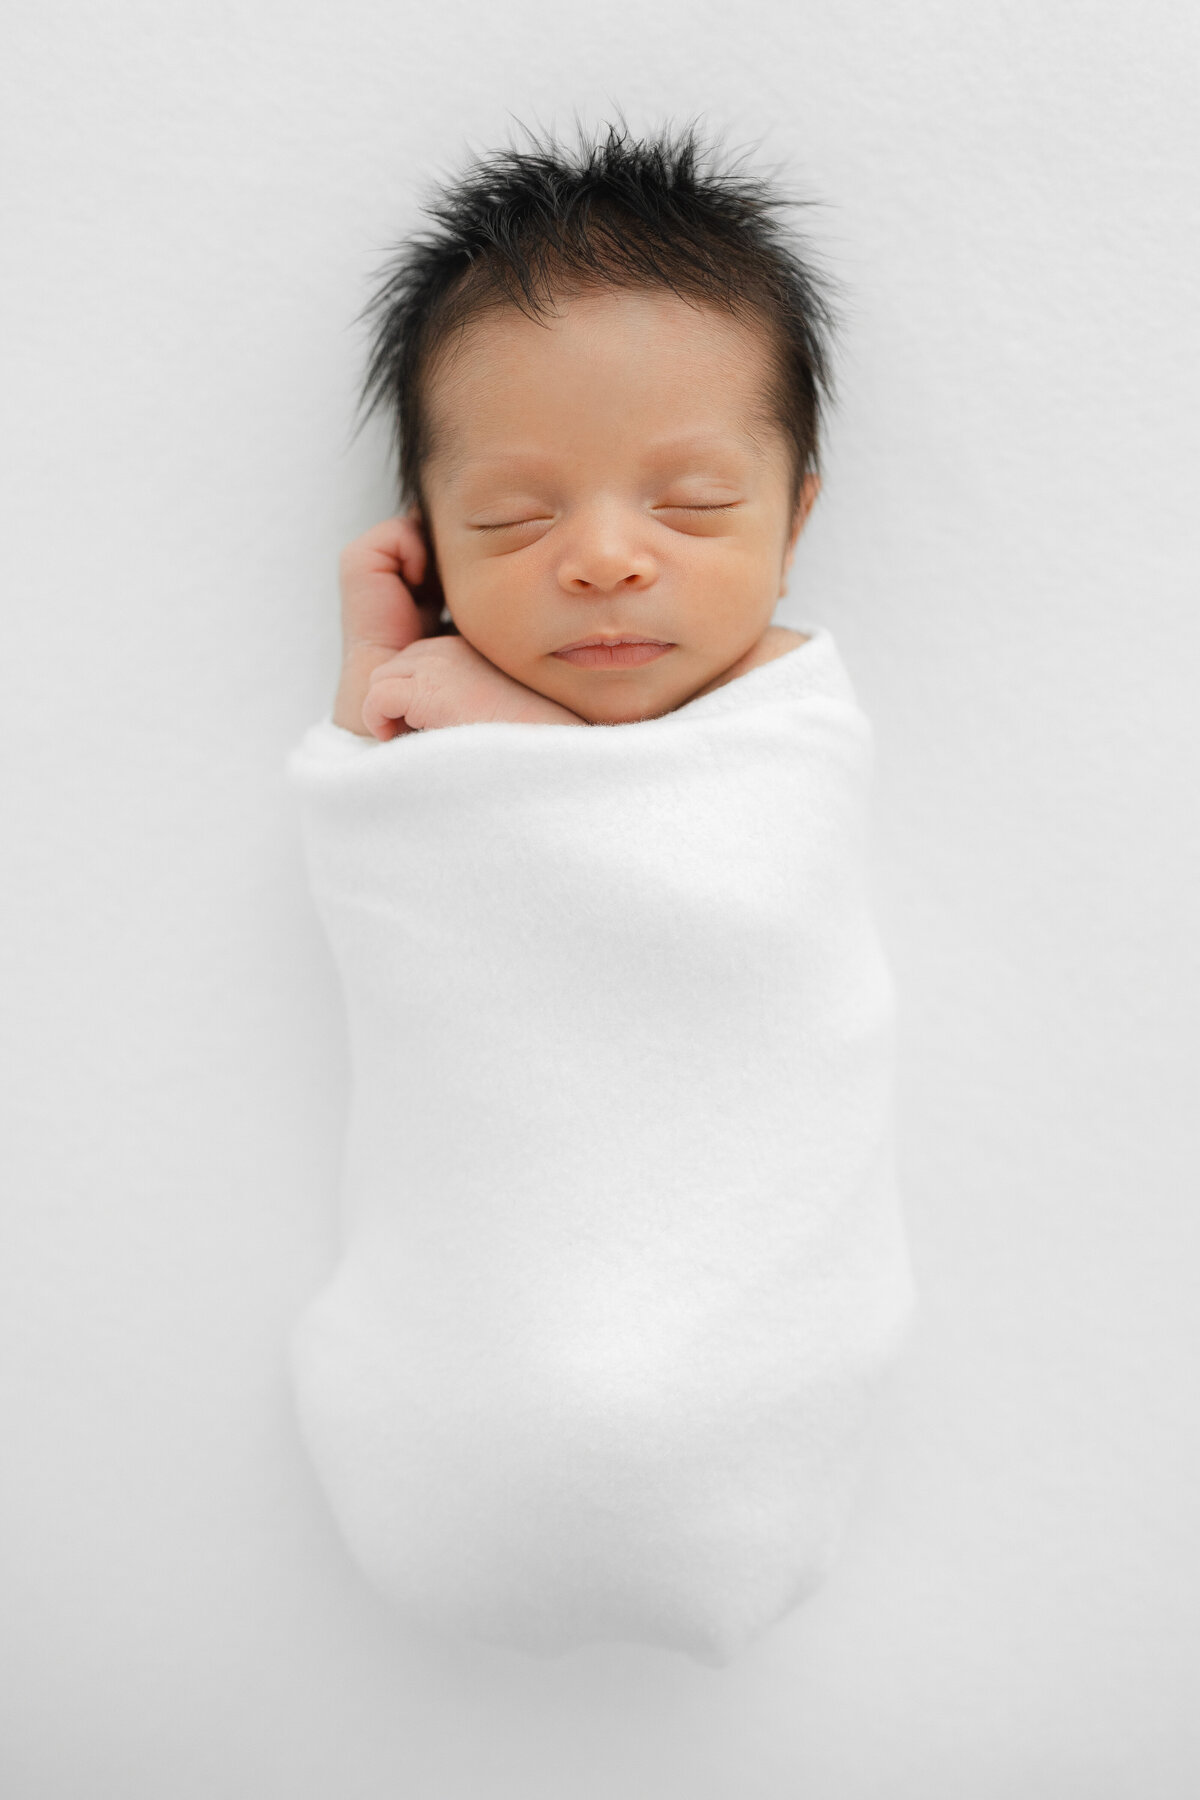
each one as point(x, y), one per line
point(613, 653)
point(613, 656)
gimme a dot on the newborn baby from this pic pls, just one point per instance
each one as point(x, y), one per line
point(621, 1262)
point(602, 479)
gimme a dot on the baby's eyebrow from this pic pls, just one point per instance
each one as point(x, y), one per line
point(658, 451)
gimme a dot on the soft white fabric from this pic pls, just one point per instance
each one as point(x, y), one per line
point(623, 1255)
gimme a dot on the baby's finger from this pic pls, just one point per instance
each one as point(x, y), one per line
point(377, 574)
point(395, 546)
point(386, 702)
point(405, 541)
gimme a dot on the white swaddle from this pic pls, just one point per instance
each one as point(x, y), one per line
point(623, 1253)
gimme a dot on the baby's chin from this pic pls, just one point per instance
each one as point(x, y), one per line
point(628, 716)
point(648, 693)
point(624, 708)
point(608, 696)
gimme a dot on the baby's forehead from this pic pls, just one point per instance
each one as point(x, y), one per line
point(684, 373)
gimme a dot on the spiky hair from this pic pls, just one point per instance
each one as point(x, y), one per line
point(523, 227)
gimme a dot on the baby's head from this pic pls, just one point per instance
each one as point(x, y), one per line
point(607, 378)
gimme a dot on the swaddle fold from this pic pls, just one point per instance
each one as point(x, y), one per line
point(623, 1259)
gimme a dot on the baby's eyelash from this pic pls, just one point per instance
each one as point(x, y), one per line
point(512, 524)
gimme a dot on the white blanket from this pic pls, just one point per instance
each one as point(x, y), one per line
point(623, 1255)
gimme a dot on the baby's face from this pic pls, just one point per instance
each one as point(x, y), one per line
point(560, 490)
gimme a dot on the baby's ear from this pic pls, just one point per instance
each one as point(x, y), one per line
point(809, 490)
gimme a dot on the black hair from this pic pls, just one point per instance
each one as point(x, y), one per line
point(522, 227)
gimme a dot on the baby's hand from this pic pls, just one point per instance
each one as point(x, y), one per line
point(381, 612)
point(439, 681)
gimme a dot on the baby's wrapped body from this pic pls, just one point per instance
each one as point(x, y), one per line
point(623, 1257)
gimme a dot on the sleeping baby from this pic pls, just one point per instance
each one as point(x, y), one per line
point(623, 1264)
point(608, 490)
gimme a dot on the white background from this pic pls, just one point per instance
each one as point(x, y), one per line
point(195, 198)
